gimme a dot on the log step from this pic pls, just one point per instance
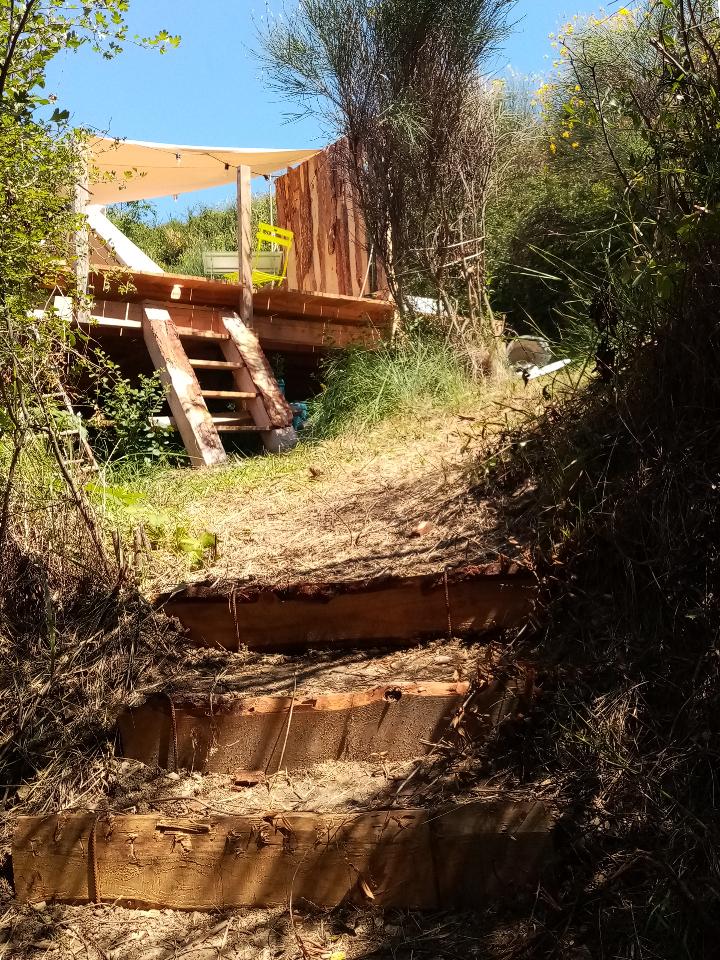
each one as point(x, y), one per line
point(444, 857)
point(215, 365)
point(225, 734)
point(395, 611)
point(229, 394)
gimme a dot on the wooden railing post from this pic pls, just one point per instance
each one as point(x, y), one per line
point(245, 243)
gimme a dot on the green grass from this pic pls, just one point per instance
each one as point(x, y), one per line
point(361, 387)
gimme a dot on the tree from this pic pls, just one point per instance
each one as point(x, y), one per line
point(39, 170)
point(399, 81)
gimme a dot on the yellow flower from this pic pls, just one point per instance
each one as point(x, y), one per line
point(566, 134)
point(553, 148)
point(575, 145)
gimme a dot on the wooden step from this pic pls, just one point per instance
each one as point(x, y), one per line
point(222, 424)
point(191, 333)
point(229, 394)
point(452, 856)
point(398, 721)
point(223, 427)
point(388, 610)
point(215, 365)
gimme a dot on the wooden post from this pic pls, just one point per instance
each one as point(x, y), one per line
point(245, 243)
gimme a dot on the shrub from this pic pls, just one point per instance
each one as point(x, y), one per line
point(362, 387)
point(177, 245)
point(126, 431)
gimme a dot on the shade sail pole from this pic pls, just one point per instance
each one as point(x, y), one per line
point(244, 230)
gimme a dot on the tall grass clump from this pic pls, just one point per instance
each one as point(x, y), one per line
point(361, 387)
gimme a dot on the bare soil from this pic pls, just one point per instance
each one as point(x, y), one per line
point(402, 500)
point(114, 933)
point(251, 674)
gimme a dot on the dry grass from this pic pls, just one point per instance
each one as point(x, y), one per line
point(342, 508)
point(114, 933)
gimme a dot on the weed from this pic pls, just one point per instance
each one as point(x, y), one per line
point(125, 430)
point(362, 387)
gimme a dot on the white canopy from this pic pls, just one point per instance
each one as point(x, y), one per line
point(123, 170)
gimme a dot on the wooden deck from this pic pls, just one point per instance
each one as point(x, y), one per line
point(282, 319)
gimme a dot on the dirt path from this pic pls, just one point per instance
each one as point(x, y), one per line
point(399, 500)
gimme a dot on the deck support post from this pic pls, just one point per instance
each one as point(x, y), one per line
point(80, 200)
point(245, 252)
point(275, 440)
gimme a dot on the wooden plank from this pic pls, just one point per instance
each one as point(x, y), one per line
point(286, 332)
point(277, 332)
point(244, 346)
point(390, 610)
point(184, 395)
point(245, 241)
point(119, 248)
point(136, 287)
point(81, 195)
point(294, 303)
point(331, 250)
point(133, 286)
point(449, 857)
point(222, 735)
point(230, 394)
point(215, 365)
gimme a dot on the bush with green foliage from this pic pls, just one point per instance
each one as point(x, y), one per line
point(177, 244)
point(127, 408)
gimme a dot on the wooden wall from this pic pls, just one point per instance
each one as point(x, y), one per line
point(330, 250)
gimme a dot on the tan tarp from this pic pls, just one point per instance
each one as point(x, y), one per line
point(124, 170)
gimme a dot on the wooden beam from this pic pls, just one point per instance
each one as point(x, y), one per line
point(449, 857)
point(245, 242)
point(222, 735)
point(133, 286)
point(391, 610)
point(273, 412)
point(184, 395)
point(281, 333)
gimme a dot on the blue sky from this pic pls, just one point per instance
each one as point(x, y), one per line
point(210, 90)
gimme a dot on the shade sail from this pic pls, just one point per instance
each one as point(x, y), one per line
point(123, 170)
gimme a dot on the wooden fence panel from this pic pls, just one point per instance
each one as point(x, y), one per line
point(330, 250)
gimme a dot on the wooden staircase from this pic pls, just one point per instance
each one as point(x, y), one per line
point(238, 392)
point(400, 844)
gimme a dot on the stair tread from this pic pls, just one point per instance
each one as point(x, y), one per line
point(190, 332)
point(229, 394)
point(223, 424)
point(236, 428)
point(231, 418)
point(216, 365)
